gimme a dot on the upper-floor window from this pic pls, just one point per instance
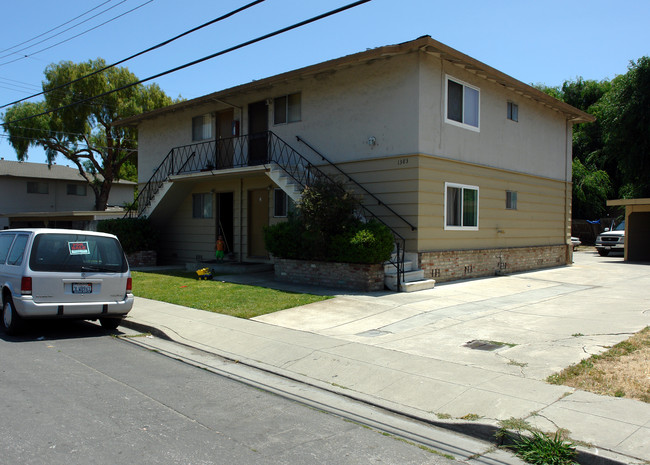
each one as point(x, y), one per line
point(463, 104)
point(461, 206)
point(76, 189)
point(287, 109)
point(35, 187)
point(512, 111)
point(202, 127)
point(202, 205)
point(511, 200)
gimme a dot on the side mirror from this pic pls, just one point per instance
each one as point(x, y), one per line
point(606, 229)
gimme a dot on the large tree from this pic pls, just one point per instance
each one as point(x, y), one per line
point(591, 176)
point(83, 132)
point(624, 113)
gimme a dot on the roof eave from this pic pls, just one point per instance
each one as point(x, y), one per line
point(425, 44)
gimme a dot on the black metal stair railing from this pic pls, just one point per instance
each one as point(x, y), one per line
point(231, 152)
point(250, 150)
point(304, 172)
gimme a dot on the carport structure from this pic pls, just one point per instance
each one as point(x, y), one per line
point(637, 228)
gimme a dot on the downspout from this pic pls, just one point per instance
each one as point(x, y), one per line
point(241, 212)
point(567, 183)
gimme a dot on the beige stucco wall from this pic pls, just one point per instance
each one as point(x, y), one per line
point(340, 112)
point(536, 144)
point(400, 102)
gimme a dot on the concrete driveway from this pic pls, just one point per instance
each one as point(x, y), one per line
point(529, 324)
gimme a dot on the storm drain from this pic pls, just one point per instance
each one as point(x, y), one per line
point(484, 345)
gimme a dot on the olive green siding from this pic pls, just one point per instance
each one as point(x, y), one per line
point(414, 186)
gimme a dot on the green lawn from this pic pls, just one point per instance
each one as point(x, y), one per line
point(183, 288)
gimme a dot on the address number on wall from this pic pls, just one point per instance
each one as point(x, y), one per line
point(403, 161)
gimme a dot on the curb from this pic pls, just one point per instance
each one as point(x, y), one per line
point(491, 434)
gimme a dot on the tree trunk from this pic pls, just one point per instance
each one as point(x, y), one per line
point(101, 198)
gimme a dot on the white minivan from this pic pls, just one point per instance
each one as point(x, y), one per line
point(63, 273)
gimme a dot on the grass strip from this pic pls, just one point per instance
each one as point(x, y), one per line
point(621, 371)
point(242, 301)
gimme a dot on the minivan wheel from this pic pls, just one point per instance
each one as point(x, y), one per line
point(10, 319)
point(110, 323)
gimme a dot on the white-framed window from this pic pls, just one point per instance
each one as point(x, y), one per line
point(202, 127)
point(461, 206)
point(463, 104)
point(35, 187)
point(512, 111)
point(287, 109)
point(202, 205)
point(511, 200)
point(76, 189)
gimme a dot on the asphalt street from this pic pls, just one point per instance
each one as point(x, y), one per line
point(74, 394)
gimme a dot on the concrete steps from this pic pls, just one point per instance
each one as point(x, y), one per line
point(413, 280)
point(285, 182)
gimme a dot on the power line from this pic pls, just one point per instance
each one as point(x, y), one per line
point(201, 60)
point(87, 147)
point(161, 44)
point(78, 35)
point(52, 131)
point(57, 27)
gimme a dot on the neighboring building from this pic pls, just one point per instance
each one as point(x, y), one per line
point(36, 195)
point(470, 166)
point(637, 228)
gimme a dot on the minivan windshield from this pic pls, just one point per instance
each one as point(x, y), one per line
point(620, 227)
point(66, 252)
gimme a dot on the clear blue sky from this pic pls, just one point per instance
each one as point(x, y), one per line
point(536, 42)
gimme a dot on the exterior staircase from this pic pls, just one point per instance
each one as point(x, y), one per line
point(291, 172)
point(285, 182)
point(413, 277)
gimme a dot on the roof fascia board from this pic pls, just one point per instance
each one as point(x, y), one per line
point(425, 44)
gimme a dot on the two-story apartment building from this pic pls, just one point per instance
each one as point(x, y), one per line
point(471, 167)
point(36, 195)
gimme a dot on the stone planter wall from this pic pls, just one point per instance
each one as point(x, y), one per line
point(142, 258)
point(350, 276)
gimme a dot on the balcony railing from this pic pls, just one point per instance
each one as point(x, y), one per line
point(245, 151)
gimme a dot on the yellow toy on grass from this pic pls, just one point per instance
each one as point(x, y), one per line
point(204, 273)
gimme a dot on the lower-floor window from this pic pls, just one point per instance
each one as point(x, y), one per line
point(202, 205)
point(280, 203)
point(461, 206)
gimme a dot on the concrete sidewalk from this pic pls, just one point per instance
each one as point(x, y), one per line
point(466, 350)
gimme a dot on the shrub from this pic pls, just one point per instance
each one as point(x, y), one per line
point(283, 239)
point(366, 243)
point(327, 209)
point(135, 234)
point(326, 228)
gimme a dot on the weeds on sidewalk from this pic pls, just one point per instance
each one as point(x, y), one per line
point(540, 449)
point(622, 371)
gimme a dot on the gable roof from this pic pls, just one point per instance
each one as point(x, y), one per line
point(424, 44)
point(22, 169)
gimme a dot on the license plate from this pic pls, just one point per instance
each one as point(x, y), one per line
point(82, 288)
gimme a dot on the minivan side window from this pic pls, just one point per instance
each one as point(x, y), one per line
point(5, 243)
point(18, 250)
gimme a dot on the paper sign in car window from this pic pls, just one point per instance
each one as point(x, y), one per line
point(78, 248)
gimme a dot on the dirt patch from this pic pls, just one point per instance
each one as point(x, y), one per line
point(622, 371)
